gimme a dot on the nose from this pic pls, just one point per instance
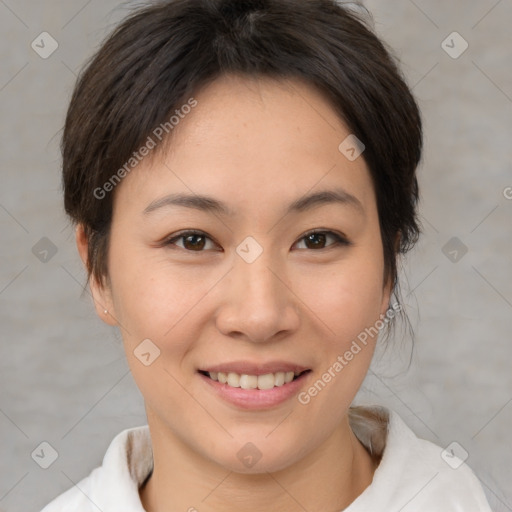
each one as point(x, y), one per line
point(258, 303)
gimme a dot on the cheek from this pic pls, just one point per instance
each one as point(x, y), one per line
point(345, 298)
point(153, 299)
point(160, 309)
point(347, 303)
point(359, 302)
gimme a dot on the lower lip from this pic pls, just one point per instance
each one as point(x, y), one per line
point(256, 399)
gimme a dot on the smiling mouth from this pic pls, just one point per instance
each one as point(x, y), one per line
point(260, 382)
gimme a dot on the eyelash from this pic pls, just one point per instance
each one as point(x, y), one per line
point(339, 239)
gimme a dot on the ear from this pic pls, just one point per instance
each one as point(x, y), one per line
point(101, 294)
point(386, 295)
point(388, 284)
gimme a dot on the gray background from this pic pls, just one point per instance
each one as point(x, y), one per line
point(64, 379)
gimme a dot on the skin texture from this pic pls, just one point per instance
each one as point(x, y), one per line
point(256, 145)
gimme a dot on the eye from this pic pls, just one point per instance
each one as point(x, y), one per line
point(316, 239)
point(194, 241)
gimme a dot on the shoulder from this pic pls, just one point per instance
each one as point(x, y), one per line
point(115, 484)
point(415, 474)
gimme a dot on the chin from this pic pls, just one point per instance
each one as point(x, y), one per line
point(252, 458)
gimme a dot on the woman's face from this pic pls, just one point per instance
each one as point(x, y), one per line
point(254, 293)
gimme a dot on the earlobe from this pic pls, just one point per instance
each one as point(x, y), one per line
point(101, 294)
point(102, 301)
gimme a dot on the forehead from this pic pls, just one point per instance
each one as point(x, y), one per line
point(253, 141)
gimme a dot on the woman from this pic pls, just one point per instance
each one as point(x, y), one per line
point(242, 180)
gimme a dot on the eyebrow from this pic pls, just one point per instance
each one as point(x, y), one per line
point(210, 204)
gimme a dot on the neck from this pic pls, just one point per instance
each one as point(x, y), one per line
point(328, 479)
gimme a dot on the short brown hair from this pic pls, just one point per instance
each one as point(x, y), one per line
point(163, 53)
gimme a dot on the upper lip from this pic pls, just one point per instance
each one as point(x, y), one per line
point(249, 368)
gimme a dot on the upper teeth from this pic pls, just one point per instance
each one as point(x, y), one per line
point(267, 381)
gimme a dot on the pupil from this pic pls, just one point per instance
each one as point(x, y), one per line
point(193, 245)
point(320, 235)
